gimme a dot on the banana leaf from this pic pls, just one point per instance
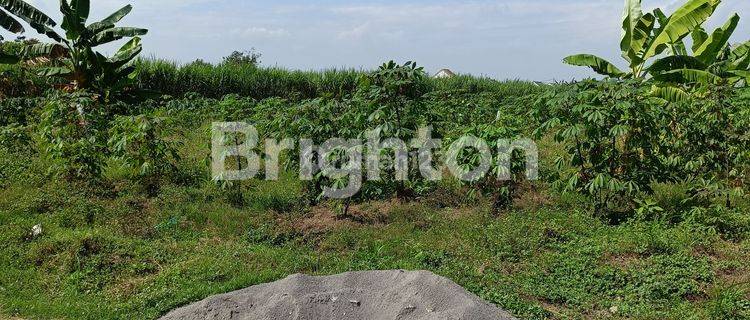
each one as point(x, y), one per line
point(691, 15)
point(675, 62)
point(9, 23)
point(114, 34)
point(685, 76)
point(109, 22)
point(26, 12)
point(599, 65)
point(712, 47)
point(671, 94)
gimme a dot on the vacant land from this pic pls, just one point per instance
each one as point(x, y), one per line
point(123, 246)
point(109, 208)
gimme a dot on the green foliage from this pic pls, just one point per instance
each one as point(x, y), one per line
point(729, 303)
point(140, 142)
point(262, 83)
point(244, 79)
point(249, 58)
point(647, 36)
point(710, 136)
point(17, 110)
point(508, 125)
point(620, 140)
point(14, 138)
point(612, 134)
point(73, 133)
point(73, 55)
point(669, 277)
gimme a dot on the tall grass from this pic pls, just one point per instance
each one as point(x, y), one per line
point(215, 81)
point(246, 80)
point(473, 84)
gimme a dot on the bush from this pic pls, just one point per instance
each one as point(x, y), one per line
point(73, 132)
point(141, 143)
point(251, 58)
point(17, 110)
point(14, 138)
point(612, 131)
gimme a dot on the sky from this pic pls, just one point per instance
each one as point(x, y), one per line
point(502, 39)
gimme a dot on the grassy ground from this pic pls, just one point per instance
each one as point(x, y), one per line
point(113, 252)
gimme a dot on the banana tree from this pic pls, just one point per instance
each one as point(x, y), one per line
point(713, 62)
point(646, 36)
point(24, 12)
point(79, 62)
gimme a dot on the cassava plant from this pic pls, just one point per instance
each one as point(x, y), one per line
point(506, 127)
point(73, 132)
point(140, 143)
point(394, 94)
point(612, 131)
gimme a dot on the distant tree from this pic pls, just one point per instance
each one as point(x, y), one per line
point(200, 62)
point(250, 57)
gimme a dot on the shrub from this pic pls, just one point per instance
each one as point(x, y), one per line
point(73, 132)
point(612, 131)
point(141, 143)
point(14, 138)
point(17, 110)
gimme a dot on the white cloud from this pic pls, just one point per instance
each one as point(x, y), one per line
point(263, 32)
point(501, 38)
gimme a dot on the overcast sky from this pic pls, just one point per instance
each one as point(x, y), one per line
point(503, 39)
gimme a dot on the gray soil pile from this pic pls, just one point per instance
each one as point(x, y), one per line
point(387, 295)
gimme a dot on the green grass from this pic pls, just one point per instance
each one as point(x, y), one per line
point(215, 81)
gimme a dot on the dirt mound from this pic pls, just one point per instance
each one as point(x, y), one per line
point(388, 295)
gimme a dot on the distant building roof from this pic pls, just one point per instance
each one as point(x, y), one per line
point(445, 73)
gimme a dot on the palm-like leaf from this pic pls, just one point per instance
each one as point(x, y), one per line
point(49, 32)
point(741, 50)
point(82, 8)
point(127, 53)
point(599, 65)
point(110, 21)
point(744, 74)
point(671, 94)
point(679, 48)
point(114, 34)
point(699, 36)
point(9, 23)
point(26, 12)
point(73, 24)
point(51, 50)
point(640, 37)
point(685, 76)
point(630, 19)
point(54, 71)
point(691, 15)
point(740, 56)
point(710, 49)
point(675, 62)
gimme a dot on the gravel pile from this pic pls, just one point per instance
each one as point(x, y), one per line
point(387, 295)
